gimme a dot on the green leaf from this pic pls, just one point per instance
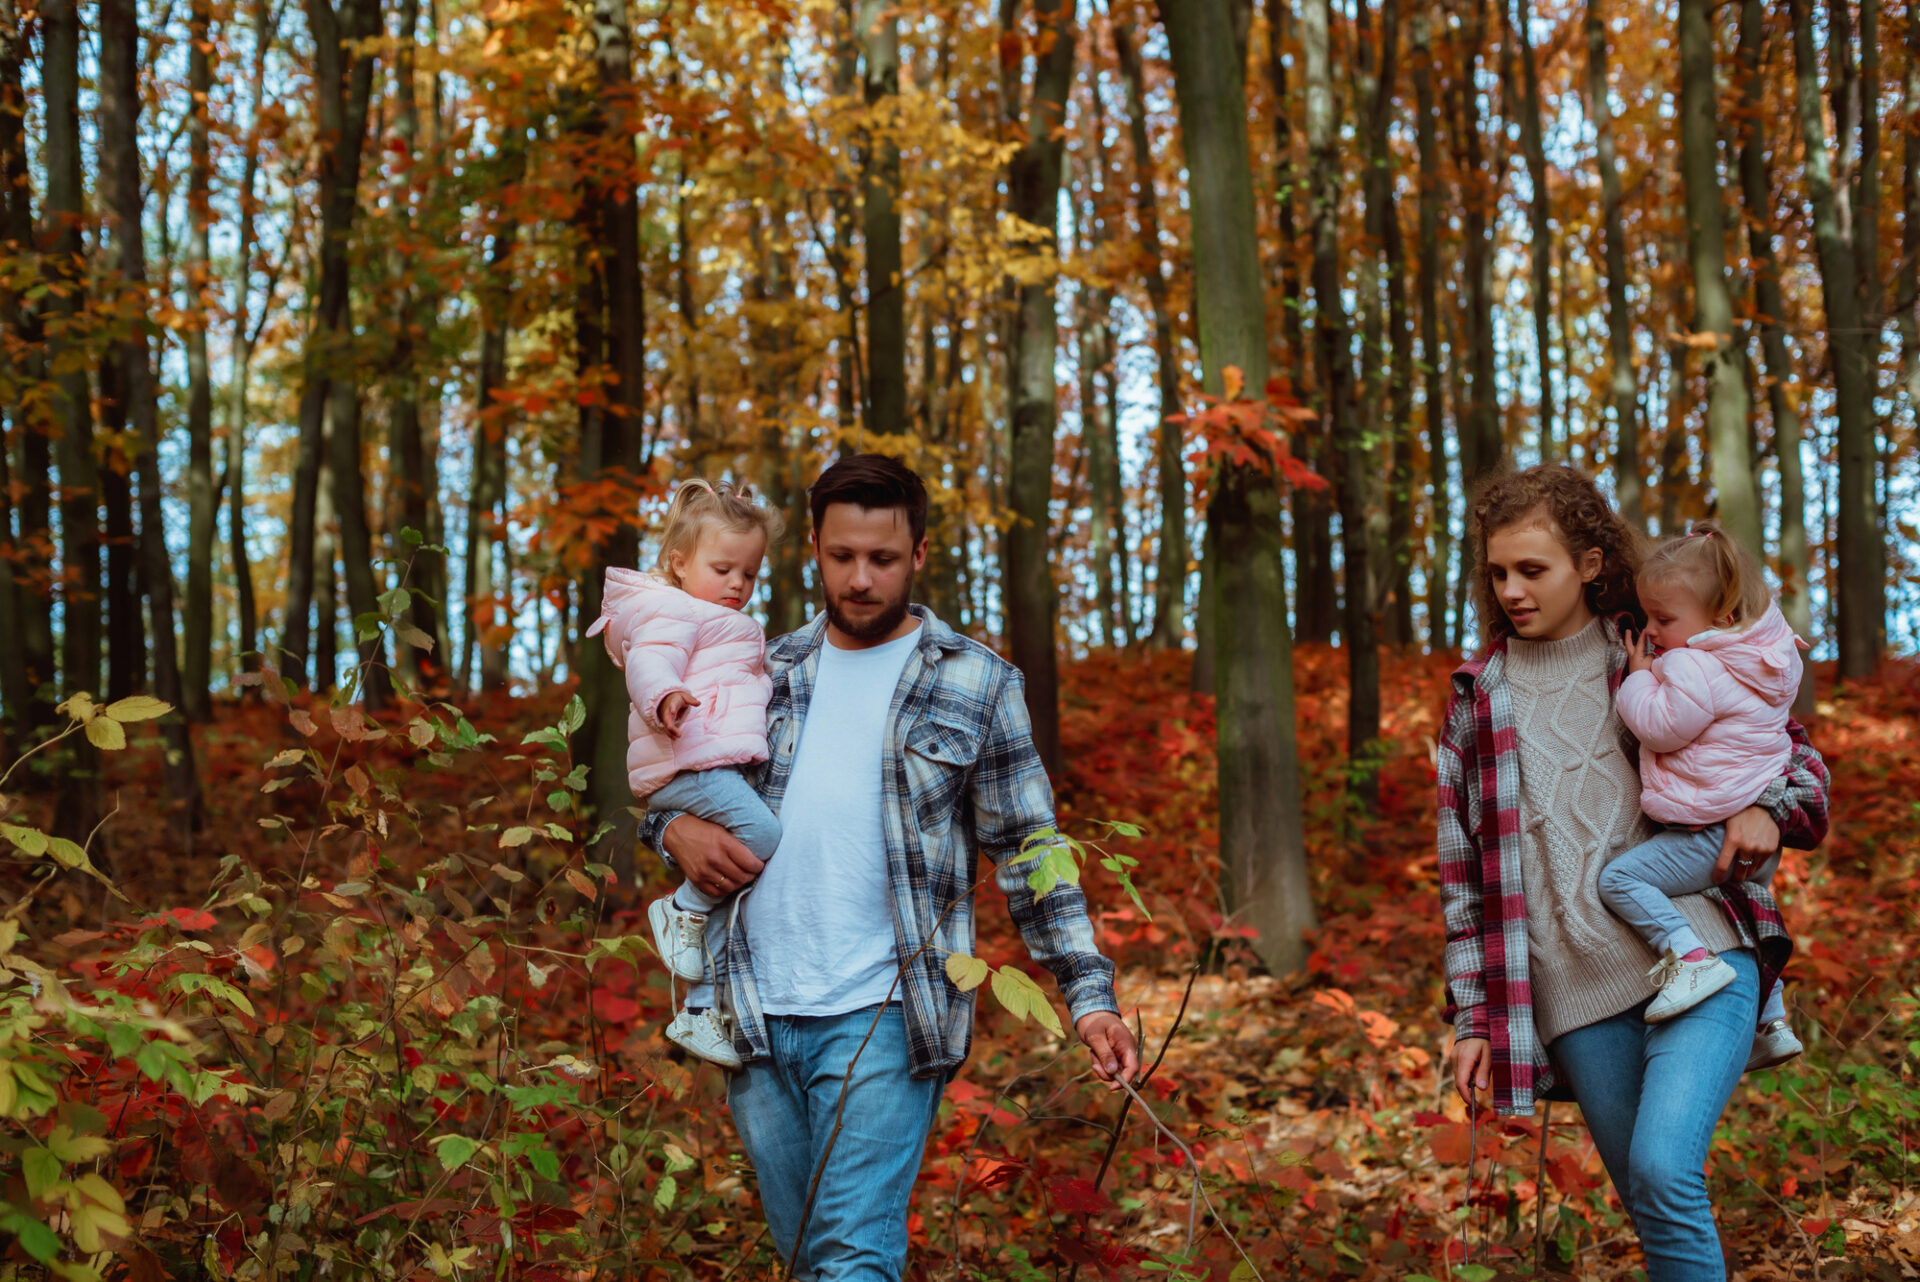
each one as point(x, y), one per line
point(516, 836)
point(546, 1163)
point(41, 1242)
point(67, 853)
point(966, 972)
point(664, 1195)
point(42, 1170)
point(413, 636)
point(454, 1151)
point(574, 717)
point(1124, 830)
point(69, 1147)
point(1475, 1273)
point(1014, 989)
point(31, 841)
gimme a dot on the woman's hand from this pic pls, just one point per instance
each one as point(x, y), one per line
point(674, 709)
point(1472, 1066)
point(1639, 653)
point(1752, 839)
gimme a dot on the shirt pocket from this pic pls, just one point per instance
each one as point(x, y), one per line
point(939, 759)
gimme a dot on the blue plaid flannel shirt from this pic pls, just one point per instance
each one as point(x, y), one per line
point(961, 778)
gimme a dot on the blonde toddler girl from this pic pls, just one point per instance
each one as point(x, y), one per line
point(696, 675)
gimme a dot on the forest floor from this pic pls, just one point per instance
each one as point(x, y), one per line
point(433, 1070)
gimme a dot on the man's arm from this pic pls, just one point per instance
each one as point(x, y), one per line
point(1012, 800)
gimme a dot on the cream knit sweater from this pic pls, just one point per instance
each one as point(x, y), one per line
point(1579, 809)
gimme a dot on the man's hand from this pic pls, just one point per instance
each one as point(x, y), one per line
point(1116, 1058)
point(709, 856)
point(1752, 839)
point(1472, 1066)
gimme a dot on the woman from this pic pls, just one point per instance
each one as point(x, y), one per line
point(1539, 789)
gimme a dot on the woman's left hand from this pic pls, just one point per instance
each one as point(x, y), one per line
point(1752, 839)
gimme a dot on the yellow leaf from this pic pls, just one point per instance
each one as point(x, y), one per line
point(106, 735)
point(80, 707)
point(1231, 382)
point(139, 707)
point(98, 1215)
point(71, 1148)
point(516, 836)
point(966, 972)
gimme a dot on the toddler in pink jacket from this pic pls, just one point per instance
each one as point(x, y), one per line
point(1710, 711)
point(697, 680)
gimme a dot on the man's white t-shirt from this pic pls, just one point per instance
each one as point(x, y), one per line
point(819, 920)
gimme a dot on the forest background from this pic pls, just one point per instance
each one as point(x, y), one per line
point(344, 344)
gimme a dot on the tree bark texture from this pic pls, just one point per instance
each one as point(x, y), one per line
point(1440, 635)
point(1264, 863)
point(1539, 225)
point(202, 505)
point(1860, 593)
point(1033, 191)
point(879, 38)
point(1622, 386)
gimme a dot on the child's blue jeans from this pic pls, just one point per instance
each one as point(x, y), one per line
point(722, 796)
point(1639, 887)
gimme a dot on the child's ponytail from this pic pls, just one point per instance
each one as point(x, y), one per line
point(697, 504)
point(1723, 574)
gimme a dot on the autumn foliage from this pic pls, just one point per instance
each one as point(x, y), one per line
point(391, 1017)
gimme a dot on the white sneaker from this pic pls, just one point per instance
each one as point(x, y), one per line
point(1685, 984)
point(704, 1033)
point(1773, 1045)
point(680, 937)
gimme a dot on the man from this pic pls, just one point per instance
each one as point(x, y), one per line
point(919, 753)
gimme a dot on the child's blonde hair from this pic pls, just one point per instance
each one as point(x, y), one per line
point(1719, 571)
point(699, 504)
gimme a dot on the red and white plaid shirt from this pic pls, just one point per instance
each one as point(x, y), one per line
point(1489, 993)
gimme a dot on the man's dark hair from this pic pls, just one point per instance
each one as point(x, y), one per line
point(872, 481)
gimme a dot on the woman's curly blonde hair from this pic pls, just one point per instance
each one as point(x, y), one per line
point(1566, 501)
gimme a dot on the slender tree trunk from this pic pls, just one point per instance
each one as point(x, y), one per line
point(126, 621)
point(1263, 859)
point(1539, 226)
point(601, 741)
point(1482, 444)
point(1727, 405)
point(329, 399)
point(879, 37)
point(31, 570)
point(1622, 388)
point(17, 594)
point(1756, 186)
point(1033, 193)
point(489, 453)
point(77, 809)
point(1866, 205)
point(120, 177)
point(1860, 593)
point(1439, 573)
point(415, 475)
point(202, 506)
point(1170, 565)
point(849, 387)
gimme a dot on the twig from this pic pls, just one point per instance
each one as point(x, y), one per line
point(1199, 1189)
point(1126, 1106)
point(1540, 1192)
point(744, 1255)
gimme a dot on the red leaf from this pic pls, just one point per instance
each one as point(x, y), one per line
point(1452, 1143)
point(1079, 1197)
point(184, 919)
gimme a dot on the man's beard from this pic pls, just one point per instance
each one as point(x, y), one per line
point(876, 628)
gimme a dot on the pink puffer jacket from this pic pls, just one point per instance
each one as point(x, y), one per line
point(1711, 720)
point(666, 641)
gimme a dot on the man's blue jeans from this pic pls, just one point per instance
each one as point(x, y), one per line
point(784, 1109)
point(1652, 1094)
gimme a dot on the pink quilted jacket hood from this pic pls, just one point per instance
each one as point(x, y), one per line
point(1712, 720)
point(666, 641)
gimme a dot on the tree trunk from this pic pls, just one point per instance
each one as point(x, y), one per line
point(1170, 564)
point(1263, 859)
point(611, 452)
point(1866, 206)
point(202, 506)
point(1860, 593)
point(1727, 405)
point(31, 572)
point(126, 623)
point(1439, 574)
point(120, 178)
point(1357, 435)
point(1622, 388)
point(415, 474)
point(879, 37)
point(1482, 444)
point(1756, 186)
point(1538, 226)
point(77, 809)
point(1033, 193)
point(329, 398)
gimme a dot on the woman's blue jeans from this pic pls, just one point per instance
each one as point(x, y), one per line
point(1652, 1095)
point(784, 1109)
